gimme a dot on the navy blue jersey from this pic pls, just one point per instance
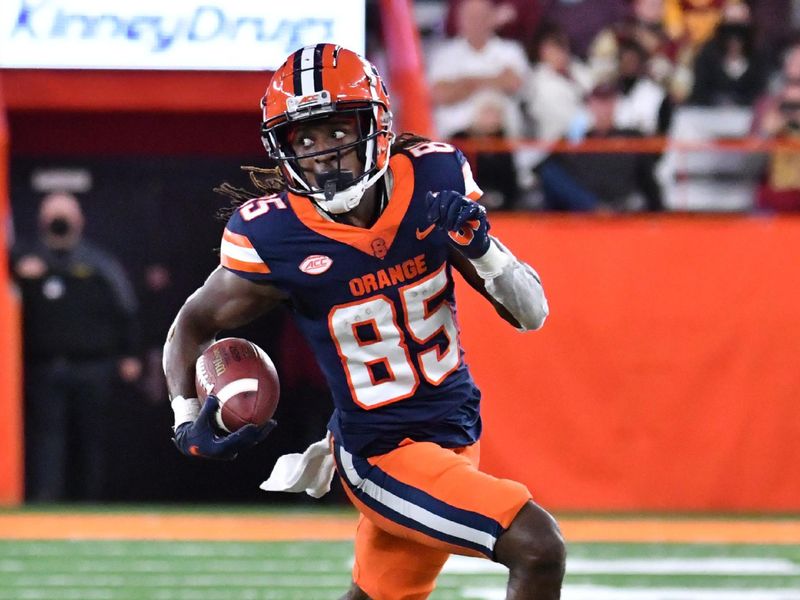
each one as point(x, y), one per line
point(376, 305)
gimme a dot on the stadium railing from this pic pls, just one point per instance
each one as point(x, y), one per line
point(696, 175)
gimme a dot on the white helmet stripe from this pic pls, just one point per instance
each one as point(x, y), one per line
point(307, 71)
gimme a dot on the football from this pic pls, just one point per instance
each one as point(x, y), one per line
point(244, 379)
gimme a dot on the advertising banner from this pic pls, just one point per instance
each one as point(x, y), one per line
point(236, 35)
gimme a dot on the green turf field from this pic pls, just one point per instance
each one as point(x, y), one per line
point(100, 570)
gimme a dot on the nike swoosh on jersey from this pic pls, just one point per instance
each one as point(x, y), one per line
point(423, 233)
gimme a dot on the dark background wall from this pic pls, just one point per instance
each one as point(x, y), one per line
point(151, 203)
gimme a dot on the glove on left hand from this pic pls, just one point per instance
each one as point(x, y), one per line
point(464, 220)
point(200, 437)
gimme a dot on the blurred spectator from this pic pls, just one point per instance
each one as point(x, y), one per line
point(789, 68)
point(496, 171)
point(475, 61)
point(697, 20)
point(79, 335)
point(642, 104)
point(667, 61)
point(582, 20)
point(778, 117)
point(586, 181)
point(729, 70)
point(516, 19)
point(557, 85)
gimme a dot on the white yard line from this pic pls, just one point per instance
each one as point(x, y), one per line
point(273, 577)
point(197, 580)
point(596, 592)
point(647, 566)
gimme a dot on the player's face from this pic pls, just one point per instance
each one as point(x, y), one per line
point(316, 137)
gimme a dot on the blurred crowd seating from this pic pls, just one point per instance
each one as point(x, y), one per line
point(620, 105)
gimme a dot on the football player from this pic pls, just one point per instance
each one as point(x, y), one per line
point(362, 242)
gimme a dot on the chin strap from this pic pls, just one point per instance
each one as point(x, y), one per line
point(343, 201)
point(513, 284)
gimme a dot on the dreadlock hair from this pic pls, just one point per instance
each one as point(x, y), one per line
point(270, 180)
point(266, 181)
point(406, 140)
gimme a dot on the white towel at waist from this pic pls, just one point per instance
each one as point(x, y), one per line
point(310, 472)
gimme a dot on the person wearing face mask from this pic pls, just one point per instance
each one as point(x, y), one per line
point(79, 332)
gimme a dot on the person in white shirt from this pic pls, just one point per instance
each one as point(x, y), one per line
point(643, 105)
point(475, 61)
point(557, 86)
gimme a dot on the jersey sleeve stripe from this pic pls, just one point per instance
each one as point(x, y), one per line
point(239, 265)
point(236, 239)
point(239, 253)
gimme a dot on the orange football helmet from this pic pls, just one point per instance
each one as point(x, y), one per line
point(317, 82)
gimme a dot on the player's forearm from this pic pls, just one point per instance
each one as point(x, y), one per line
point(514, 284)
point(186, 340)
point(224, 301)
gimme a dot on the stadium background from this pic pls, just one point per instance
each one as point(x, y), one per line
point(664, 381)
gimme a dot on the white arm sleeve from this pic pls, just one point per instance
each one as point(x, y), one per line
point(513, 284)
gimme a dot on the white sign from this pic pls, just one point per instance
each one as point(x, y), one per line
point(171, 34)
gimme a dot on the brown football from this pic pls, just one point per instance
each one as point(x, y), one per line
point(244, 379)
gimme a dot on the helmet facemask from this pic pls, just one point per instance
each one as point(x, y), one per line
point(338, 190)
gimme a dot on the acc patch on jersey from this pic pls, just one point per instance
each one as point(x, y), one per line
point(316, 264)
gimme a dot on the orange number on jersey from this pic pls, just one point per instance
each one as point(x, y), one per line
point(386, 345)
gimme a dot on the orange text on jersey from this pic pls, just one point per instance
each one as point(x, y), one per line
point(372, 282)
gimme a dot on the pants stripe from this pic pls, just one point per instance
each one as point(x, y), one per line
point(414, 508)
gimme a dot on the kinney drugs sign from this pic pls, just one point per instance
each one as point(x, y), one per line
point(171, 34)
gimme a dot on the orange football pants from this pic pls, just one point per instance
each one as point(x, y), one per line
point(420, 503)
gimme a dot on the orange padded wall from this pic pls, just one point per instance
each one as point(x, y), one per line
point(667, 374)
point(11, 394)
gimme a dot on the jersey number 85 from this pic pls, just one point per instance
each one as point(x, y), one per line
point(386, 346)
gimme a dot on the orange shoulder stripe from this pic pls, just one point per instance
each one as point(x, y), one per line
point(236, 239)
point(240, 265)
